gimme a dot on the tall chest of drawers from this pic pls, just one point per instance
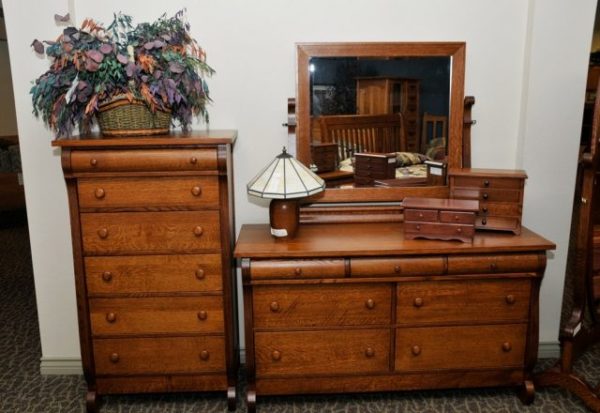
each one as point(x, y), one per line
point(152, 229)
point(359, 308)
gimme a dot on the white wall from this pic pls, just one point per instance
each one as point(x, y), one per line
point(251, 46)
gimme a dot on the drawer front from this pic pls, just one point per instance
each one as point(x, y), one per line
point(491, 195)
point(500, 208)
point(326, 268)
point(153, 273)
point(442, 230)
point(196, 192)
point(462, 301)
point(443, 348)
point(457, 217)
point(156, 315)
point(486, 182)
point(378, 267)
point(321, 305)
point(322, 352)
point(135, 160)
point(501, 263)
point(159, 355)
point(503, 223)
point(150, 232)
point(426, 215)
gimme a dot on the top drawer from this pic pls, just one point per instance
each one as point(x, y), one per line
point(487, 182)
point(381, 267)
point(144, 160)
point(325, 268)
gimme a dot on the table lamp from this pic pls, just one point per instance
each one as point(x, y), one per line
point(284, 180)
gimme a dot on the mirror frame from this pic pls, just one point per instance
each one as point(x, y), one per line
point(454, 50)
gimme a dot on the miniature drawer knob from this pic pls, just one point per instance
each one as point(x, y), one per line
point(486, 183)
point(196, 191)
point(274, 306)
point(397, 269)
point(99, 193)
point(484, 210)
point(493, 266)
point(106, 276)
point(485, 195)
point(204, 355)
point(458, 230)
point(370, 304)
point(276, 355)
point(93, 162)
point(198, 231)
point(506, 347)
point(193, 160)
point(418, 228)
point(111, 317)
point(200, 274)
point(456, 218)
point(298, 271)
point(420, 215)
point(483, 221)
point(103, 233)
point(369, 352)
point(114, 357)
point(418, 302)
point(416, 350)
point(510, 299)
point(202, 315)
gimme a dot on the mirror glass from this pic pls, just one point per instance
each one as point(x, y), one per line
point(380, 116)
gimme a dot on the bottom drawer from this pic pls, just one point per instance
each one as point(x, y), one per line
point(460, 347)
point(159, 355)
point(322, 352)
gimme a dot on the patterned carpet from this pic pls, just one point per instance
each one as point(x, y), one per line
point(23, 389)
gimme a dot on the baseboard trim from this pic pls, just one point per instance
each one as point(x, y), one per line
point(60, 366)
point(72, 366)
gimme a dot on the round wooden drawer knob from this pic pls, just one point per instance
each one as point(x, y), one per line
point(274, 306)
point(456, 218)
point(193, 160)
point(103, 233)
point(418, 302)
point(485, 195)
point(416, 350)
point(369, 352)
point(458, 230)
point(111, 317)
point(298, 271)
point(200, 274)
point(397, 269)
point(204, 355)
point(370, 304)
point(196, 191)
point(420, 215)
point(484, 210)
point(484, 221)
point(202, 315)
point(506, 347)
point(418, 228)
point(198, 231)
point(99, 193)
point(276, 355)
point(114, 357)
point(493, 266)
point(486, 183)
point(106, 276)
point(93, 162)
point(510, 299)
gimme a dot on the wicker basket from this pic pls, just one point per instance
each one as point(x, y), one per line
point(119, 117)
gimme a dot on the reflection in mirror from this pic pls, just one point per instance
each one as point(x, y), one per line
point(379, 121)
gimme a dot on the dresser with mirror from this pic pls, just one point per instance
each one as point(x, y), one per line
point(350, 304)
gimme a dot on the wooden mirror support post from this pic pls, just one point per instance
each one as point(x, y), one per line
point(579, 327)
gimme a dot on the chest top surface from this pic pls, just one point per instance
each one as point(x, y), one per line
point(374, 239)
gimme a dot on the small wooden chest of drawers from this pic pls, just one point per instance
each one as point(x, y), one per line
point(500, 195)
point(152, 229)
point(369, 167)
point(446, 219)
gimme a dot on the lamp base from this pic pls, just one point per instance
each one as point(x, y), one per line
point(284, 215)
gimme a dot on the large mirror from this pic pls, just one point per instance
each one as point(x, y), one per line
point(380, 121)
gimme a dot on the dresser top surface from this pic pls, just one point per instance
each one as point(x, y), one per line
point(374, 239)
point(211, 137)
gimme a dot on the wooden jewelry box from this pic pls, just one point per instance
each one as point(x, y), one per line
point(500, 195)
point(371, 166)
point(324, 156)
point(445, 219)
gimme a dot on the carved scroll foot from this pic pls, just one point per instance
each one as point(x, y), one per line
point(231, 398)
point(527, 392)
point(251, 400)
point(91, 401)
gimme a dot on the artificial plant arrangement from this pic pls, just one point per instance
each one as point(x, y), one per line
point(94, 70)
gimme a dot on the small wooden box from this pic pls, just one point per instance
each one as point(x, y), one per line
point(445, 219)
point(324, 155)
point(371, 166)
point(500, 194)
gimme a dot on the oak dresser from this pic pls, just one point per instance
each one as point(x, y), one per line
point(152, 228)
point(359, 308)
